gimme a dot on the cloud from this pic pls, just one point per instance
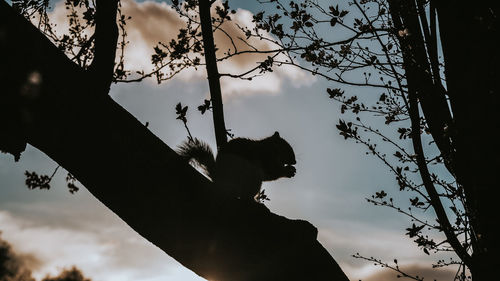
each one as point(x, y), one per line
point(270, 83)
point(54, 248)
point(370, 240)
point(99, 244)
point(344, 238)
point(14, 267)
point(17, 267)
point(152, 22)
point(427, 272)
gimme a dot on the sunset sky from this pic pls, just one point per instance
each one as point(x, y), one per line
point(334, 176)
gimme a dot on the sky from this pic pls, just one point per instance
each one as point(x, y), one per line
point(57, 229)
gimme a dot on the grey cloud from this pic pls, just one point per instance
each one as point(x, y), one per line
point(429, 273)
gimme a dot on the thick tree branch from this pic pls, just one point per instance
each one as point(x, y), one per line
point(49, 104)
point(106, 38)
point(429, 186)
point(432, 96)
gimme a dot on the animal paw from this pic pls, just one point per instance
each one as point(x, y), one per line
point(289, 171)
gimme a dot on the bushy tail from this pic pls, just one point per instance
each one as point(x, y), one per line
point(198, 154)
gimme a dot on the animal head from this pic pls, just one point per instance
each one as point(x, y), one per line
point(283, 150)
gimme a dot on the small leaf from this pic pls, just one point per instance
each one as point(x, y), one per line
point(380, 194)
point(333, 21)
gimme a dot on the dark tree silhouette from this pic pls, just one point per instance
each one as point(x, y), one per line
point(433, 66)
point(72, 274)
point(212, 72)
point(60, 105)
point(12, 266)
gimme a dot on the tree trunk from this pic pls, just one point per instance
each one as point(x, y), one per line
point(469, 34)
point(468, 37)
point(52, 104)
point(422, 91)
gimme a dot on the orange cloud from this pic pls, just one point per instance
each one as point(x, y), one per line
point(152, 22)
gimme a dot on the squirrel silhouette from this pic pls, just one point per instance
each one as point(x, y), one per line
point(242, 164)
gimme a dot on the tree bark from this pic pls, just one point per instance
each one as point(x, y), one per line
point(48, 102)
point(106, 37)
point(468, 35)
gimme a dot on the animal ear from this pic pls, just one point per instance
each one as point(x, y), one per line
point(276, 134)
